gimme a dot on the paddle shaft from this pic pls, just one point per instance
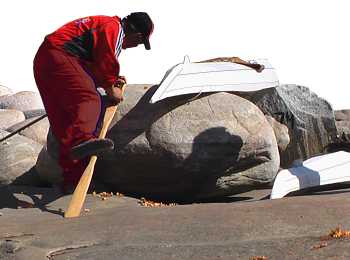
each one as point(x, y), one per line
point(80, 191)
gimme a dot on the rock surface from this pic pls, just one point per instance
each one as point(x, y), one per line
point(37, 132)
point(9, 117)
point(239, 227)
point(18, 157)
point(310, 119)
point(23, 101)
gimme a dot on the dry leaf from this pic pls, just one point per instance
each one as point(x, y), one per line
point(148, 203)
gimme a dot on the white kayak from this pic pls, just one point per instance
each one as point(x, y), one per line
point(189, 78)
point(316, 171)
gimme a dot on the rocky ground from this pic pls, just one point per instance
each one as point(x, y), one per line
point(239, 227)
point(219, 144)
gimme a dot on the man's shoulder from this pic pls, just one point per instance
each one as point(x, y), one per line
point(105, 19)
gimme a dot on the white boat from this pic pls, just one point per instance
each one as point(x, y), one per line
point(189, 78)
point(319, 170)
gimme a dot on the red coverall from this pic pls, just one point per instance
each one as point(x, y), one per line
point(69, 65)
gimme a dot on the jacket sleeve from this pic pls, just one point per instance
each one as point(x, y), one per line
point(109, 39)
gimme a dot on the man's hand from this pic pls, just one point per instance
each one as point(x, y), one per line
point(121, 81)
point(114, 94)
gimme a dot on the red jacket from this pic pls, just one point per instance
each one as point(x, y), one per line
point(97, 42)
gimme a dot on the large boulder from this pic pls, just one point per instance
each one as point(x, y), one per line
point(23, 101)
point(37, 131)
point(310, 119)
point(18, 156)
point(216, 145)
point(5, 91)
point(9, 117)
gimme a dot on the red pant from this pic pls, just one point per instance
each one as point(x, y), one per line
point(71, 101)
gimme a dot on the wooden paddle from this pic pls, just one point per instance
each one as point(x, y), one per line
point(80, 191)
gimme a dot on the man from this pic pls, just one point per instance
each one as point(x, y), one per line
point(68, 67)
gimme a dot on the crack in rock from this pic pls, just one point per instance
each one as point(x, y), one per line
point(64, 250)
point(9, 236)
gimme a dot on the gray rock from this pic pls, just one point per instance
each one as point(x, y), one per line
point(5, 91)
point(23, 101)
point(34, 113)
point(310, 119)
point(10, 246)
point(48, 168)
point(37, 132)
point(212, 146)
point(342, 115)
point(52, 145)
point(343, 129)
point(281, 133)
point(216, 145)
point(9, 117)
point(342, 142)
point(18, 156)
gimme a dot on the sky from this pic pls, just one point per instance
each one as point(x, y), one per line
point(305, 41)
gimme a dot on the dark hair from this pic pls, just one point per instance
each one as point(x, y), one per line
point(139, 22)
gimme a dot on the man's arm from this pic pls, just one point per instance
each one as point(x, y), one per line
point(105, 54)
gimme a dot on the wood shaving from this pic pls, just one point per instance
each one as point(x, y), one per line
point(152, 204)
point(105, 195)
point(320, 245)
point(339, 233)
point(259, 258)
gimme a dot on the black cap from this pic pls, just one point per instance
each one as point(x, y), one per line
point(141, 22)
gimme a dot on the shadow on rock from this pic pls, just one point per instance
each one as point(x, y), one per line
point(16, 197)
